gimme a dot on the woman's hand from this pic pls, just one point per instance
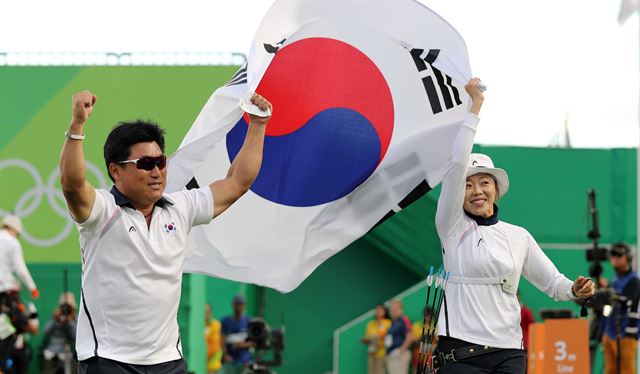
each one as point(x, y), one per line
point(477, 96)
point(583, 287)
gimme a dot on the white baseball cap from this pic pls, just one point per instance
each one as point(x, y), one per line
point(14, 222)
point(481, 163)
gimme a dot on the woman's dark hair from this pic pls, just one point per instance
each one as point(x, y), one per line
point(386, 311)
point(495, 181)
point(117, 147)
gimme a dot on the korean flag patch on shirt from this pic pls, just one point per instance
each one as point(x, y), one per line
point(170, 228)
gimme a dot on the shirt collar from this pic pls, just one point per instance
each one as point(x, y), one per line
point(122, 200)
point(485, 221)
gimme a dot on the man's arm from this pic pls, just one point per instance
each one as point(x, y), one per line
point(245, 167)
point(78, 192)
point(244, 345)
point(408, 337)
point(226, 357)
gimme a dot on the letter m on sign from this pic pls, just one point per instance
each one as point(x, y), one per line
point(444, 92)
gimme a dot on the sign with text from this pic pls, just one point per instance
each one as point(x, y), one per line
point(559, 346)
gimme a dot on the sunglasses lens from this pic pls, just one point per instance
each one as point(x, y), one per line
point(148, 163)
point(161, 161)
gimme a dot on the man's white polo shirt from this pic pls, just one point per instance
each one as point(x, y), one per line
point(132, 276)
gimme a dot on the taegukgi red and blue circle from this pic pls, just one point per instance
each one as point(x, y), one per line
point(331, 126)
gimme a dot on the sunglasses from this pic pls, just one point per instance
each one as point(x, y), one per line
point(617, 254)
point(148, 162)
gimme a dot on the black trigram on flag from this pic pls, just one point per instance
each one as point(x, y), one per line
point(447, 90)
point(240, 77)
point(273, 48)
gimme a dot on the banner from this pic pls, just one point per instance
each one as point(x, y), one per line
point(367, 98)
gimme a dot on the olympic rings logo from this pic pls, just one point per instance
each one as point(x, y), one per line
point(31, 199)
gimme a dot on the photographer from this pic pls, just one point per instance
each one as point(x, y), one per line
point(16, 319)
point(14, 351)
point(59, 336)
point(620, 340)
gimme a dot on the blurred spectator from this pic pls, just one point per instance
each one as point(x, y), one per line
point(11, 259)
point(234, 332)
point(14, 351)
point(16, 320)
point(526, 319)
point(213, 339)
point(429, 323)
point(620, 340)
point(374, 338)
point(398, 341)
point(59, 338)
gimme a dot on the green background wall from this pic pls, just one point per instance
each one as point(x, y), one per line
point(548, 197)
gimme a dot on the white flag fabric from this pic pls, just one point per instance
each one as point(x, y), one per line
point(367, 96)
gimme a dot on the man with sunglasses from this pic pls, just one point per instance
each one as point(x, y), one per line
point(132, 240)
point(620, 338)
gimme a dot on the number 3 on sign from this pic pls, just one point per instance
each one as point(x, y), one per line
point(561, 350)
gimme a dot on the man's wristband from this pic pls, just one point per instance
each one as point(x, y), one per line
point(73, 136)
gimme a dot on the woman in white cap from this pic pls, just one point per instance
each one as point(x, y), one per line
point(486, 258)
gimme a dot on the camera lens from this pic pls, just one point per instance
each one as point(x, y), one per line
point(65, 309)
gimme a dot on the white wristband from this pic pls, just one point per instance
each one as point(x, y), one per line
point(73, 136)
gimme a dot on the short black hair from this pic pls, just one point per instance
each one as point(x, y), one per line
point(117, 147)
point(622, 248)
